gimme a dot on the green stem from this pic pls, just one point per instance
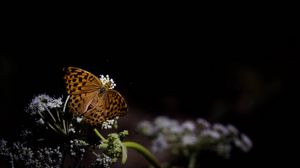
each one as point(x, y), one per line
point(192, 160)
point(99, 135)
point(124, 153)
point(142, 150)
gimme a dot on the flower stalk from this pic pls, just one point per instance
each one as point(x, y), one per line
point(142, 150)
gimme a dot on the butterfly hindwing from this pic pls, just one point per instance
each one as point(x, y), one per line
point(96, 113)
point(79, 103)
point(115, 104)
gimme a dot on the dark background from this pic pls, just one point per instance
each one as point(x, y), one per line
point(246, 78)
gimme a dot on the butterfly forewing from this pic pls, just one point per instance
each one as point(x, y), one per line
point(79, 81)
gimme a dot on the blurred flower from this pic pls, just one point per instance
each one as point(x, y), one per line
point(189, 137)
point(221, 129)
point(232, 129)
point(244, 143)
point(210, 135)
point(247, 141)
point(188, 126)
point(203, 123)
point(4, 150)
point(25, 133)
point(146, 128)
point(163, 122)
point(159, 144)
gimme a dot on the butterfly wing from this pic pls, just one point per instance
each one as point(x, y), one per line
point(79, 81)
point(95, 114)
point(79, 103)
point(108, 106)
point(115, 104)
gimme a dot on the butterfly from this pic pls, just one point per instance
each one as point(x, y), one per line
point(95, 101)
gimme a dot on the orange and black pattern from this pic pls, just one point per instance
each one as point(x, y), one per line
point(90, 99)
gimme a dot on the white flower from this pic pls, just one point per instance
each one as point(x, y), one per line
point(106, 81)
point(232, 129)
point(189, 126)
point(176, 129)
point(3, 142)
point(191, 136)
point(146, 128)
point(238, 143)
point(55, 103)
point(214, 135)
point(42, 102)
point(221, 129)
point(37, 104)
point(203, 123)
point(25, 133)
point(159, 144)
point(247, 142)
point(79, 119)
point(3, 147)
point(188, 139)
point(72, 130)
point(164, 123)
point(108, 124)
point(40, 121)
point(103, 161)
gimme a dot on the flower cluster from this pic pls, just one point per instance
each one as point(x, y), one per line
point(110, 123)
point(108, 82)
point(30, 156)
point(189, 137)
point(50, 113)
point(42, 103)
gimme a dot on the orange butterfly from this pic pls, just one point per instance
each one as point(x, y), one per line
point(91, 98)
